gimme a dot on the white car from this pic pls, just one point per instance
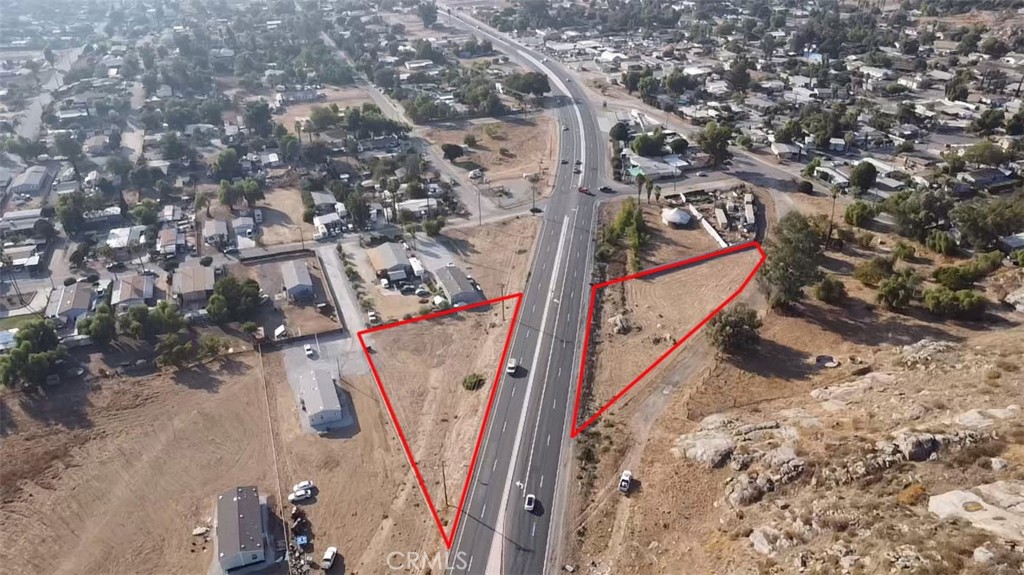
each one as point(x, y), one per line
point(307, 484)
point(300, 495)
point(512, 366)
point(422, 291)
point(328, 559)
point(373, 318)
point(531, 503)
point(309, 353)
point(405, 246)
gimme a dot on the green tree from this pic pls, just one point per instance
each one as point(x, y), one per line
point(793, 257)
point(735, 329)
point(469, 140)
point(713, 140)
point(70, 212)
point(452, 152)
point(619, 132)
point(863, 176)
point(830, 290)
point(227, 166)
point(428, 13)
point(100, 327)
point(68, 146)
point(859, 213)
point(899, 289)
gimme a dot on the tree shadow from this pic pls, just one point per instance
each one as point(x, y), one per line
point(859, 323)
point(64, 405)
point(7, 424)
point(836, 265)
point(458, 246)
point(468, 165)
point(198, 377)
point(773, 359)
point(762, 180)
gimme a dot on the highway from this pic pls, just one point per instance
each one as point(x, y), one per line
point(527, 435)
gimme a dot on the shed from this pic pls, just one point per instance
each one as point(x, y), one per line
point(318, 400)
point(457, 287)
point(390, 260)
point(675, 217)
point(240, 536)
point(297, 282)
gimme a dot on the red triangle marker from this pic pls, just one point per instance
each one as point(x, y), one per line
point(579, 425)
point(447, 535)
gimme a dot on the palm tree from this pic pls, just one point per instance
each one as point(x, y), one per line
point(832, 217)
point(203, 201)
point(657, 194)
point(309, 130)
point(649, 184)
point(298, 129)
point(640, 179)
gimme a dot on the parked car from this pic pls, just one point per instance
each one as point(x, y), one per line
point(531, 503)
point(407, 289)
point(307, 484)
point(309, 353)
point(422, 291)
point(606, 189)
point(257, 216)
point(328, 559)
point(625, 481)
point(584, 190)
point(300, 495)
point(373, 318)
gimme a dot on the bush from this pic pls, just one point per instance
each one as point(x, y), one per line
point(865, 239)
point(830, 290)
point(899, 289)
point(473, 382)
point(964, 276)
point(859, 213)
point(308, 214)
point(873, 271)
point(469, 140)
point(940, 242)
point(963, 304)
point(904, 251)
point(69, 281)
point(206, 261)
point(805, 187)
point(1017, 257)
point(734, 329)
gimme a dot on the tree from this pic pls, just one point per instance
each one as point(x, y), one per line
point(899, 289)
point(70, 212)
point(739, 76)
point(34, 357)
point(172, 147)
point(713, 140)
point(619, 132)
point(428, 13)
point(233, 300)
point(648, 145)
point(68, 146)
point(745, 142)
point(734, 329)
point(679, 145)
point(119, 166)
point(805, 187)
point(259, 118)
point(983, 221)
point(989, 121)
point(830, 290)
point(173, 350)
point(452, 152)
point(469, 140)
point(859, 213)
point(917, 212)
point(49, 56)
point(874, 271)
point(114, 141)
point(994, 47)
point(985, 153)
point(229, 194)
point(793, 257)
point(227, 166)
point(212, 346)
point(100, 327)
point(432, 227)
point(863, 176)
point(962, 304)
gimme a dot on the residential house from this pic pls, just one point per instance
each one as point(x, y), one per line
point(457, 287)
point(171, 241)
point(244, 226)
point(193, 285)
point(240, 535)
point(297, 282)
point(35, 180)
point(390, 260)
point(68, 303)
point(19, 221)
point(318, 400)
point(323, 202)
point(989, 180)
point(215, 232)
point(132, 290)
point(124, 240)
point(784, 151)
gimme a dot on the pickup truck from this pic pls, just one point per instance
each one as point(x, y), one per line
point(626, 481)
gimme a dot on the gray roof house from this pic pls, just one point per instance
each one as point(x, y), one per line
point(33, 180)
point(457, 287)
point(240, 537)
point(215, 231)
point(318, 400)
point(389, 259)
point(297, 281)
point(132, 290)
point(68, 303)
point(323, 202)
point(193, 285)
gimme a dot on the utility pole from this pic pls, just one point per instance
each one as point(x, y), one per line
point(444, 484)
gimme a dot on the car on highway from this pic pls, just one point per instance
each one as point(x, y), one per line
point(584, 190)
point(625, 481)
point(307, 484)
point(606, 189)
point(309, 353)
point(702, 174)
point(512, 366)
point(531, 503)
point(567, 79)
point(579, 162)
point(329, 555)
point(577, 170)
point(564, 161)
point(565, 128)
point(300, 495)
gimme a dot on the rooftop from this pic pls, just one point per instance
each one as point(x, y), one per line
point(239, 521)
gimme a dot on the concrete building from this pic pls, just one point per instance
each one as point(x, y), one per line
point(240, 537)
point(244, 226)
point(193, 285)
point(122, 240)
point(132, 290)
point(457, 287)
point(34, 180)
point(390, 260)
point(318, 400)
point(297, 282)
point(323, 202)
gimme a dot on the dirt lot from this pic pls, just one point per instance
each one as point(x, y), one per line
point(422, 366)
point(496, 254)
point(301, 318)
point(91, 471)
point(657, 309)
point(282, 217)
point(343, 97)
point(529, 142)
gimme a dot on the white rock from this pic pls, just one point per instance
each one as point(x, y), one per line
point(1016, 299)
point(983, 555)
point(995, 507)
point(712, 448)
point(998, 463)
point(779, 456)
point(763, 539)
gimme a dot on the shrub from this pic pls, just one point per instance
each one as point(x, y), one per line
point(206, 261)
point(954, 277)
point(904, 251)
point(805, 187)
point(734, 329)
point(912, 495)
point(307, 215)
point(873, 271)
point(899, 289)
point(859, 213)
point(1017, 257)
point(469, 140)
point(940, 242)
point(830, 290)
point(69, 281)
point(964, 304)
point(865, 239)
point(473, 382)
point(845, 235)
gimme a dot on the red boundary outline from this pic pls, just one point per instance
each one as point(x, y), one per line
point(518, 297)
point(577, 427)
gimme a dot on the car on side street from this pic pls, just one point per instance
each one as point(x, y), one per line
point(309, 353)
point(512, 366)
point(626, 481)
point(606, 189)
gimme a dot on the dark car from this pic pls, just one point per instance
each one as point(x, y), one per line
point(606, 189)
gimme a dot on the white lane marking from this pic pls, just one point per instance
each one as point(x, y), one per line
point(533, 530)
point(495, 466)
point(542, 482)
point(549, 440)
point(503, 426)
point(483, 509)
point(497, 543)
point(554, 404)
point(469, 567)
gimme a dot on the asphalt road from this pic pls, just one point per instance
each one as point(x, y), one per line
point(527, 433)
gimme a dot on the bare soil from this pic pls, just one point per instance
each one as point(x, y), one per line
point(282, 217)
point(349, 96)
point(94, 469)
point(497, 255)
point(530, 145)
point(301, 318)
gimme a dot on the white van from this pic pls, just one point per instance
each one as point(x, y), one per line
point(257, 216)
